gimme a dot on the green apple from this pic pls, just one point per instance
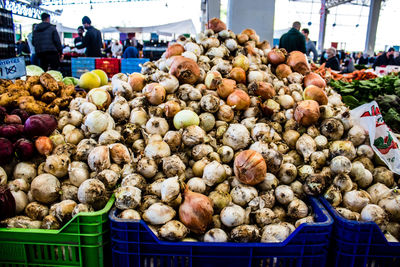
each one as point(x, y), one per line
point(89, 80)
point(103, 76)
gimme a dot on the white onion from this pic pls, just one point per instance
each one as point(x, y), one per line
point(96, 122)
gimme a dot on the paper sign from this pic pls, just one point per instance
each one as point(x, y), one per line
point(12, 68)
point(381, 137)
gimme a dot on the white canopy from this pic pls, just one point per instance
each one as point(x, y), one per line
point(180, 27)
point(62, 28)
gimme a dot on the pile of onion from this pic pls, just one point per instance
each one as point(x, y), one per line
point(306, 112)
point(298, 62)
point(313, 92)
point(216, 25)
point(174, 50)
point(314, 79)
point(185, 69)
point(250, 167)
point(276, 56)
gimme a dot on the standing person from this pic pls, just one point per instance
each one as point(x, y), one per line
point(293, 39)
point(131, 52)
point(332, 61)
point(34, 58)
point(47, 44)
point(116, 49)
point(310, 46)
point(92, 39)
point(385, 59)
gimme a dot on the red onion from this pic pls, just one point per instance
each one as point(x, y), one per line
point(6, 150)
point(196, 211)
point(21, 113)
point(40, 125)
point(12, 131)
point(7, 203)
point(24, 149)
point(12, 119)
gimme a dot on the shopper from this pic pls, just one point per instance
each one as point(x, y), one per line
point(348, 65)
point(385, 59)
point(47, 44)
point(116, 49)
point(293, 39)
point(332, 61)
point(131, 52)
point(363, 60)
point(34, 58)
point(92, 39)
point(310, 45)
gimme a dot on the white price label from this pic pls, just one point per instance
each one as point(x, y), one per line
point(12, 68)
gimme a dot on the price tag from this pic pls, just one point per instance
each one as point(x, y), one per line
point(12, 68)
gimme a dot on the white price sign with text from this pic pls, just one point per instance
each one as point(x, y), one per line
point(12, 68)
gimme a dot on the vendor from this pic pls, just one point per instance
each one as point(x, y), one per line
point(385, 59)
point(78, 40)
point(332, 60)
point(92, 39)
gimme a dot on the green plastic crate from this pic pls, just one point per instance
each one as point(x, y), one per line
point(83, 241)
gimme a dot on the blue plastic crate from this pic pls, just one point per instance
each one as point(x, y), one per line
point(360, 243)
point(81, 65)
point(130, 65)
point(134, 244)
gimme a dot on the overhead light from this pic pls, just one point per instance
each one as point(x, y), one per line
point(334, 24)
point(309, 23)
point(357, 25)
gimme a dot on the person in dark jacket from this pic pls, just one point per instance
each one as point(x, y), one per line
point(293, 39)
point(47, 44)
point(92, 39)
point(78, 40)
point(332, 61)
point(385, 59)
point(131, 52)
point(363, 60)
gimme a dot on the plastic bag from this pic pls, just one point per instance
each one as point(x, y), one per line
point(381, 137)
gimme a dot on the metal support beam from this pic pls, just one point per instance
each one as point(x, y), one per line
point(322, 25)
point(213, 8)
point(255, 14)
point(26, 10)
point(373, 18)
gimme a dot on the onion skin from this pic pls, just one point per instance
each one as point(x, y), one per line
point(216, 25)
point(250, 167)
point(306, 112)
point(6, 150)
point(239, 99)
point(226, 87)
point(137, 81)
point(174, 50)
point(196, 211)
point(7, 203)
point(314, 79)
point(251, 33)
point(238, 74)
point(276, 56)
point(298, 62)
point(155, 93)
point(185, 69)
point(44, 145)
point(282, 71)
point(242, 38)
point(171, 108)
point(24, 149)
point(40, 125)
point(264, 90)
point(313, 92)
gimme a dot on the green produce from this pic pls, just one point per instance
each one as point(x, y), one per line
point(56, 75)
point(33, 70)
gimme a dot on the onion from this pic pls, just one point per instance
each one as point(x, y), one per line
point(313, 92)
point(298, 62)
point(12, 119)
point(171, 108)
point(283, 71)
point(155, 93)
point(174, 50)
point(196, 211)
point(250, 167)
point(216, 25)
point(169, 82)
point(185, 118)
point(190, 55)
point(307, 112)
point(101, 98)
point(226, 87)
point(44, 145)
point(241, 61)
point(96, 122)
point(262, 89)
point(251, 33)
point(185, 69)
point(238, 74)
point(314, 79)
point(194, 48)
point(239, 100)
point(137, 81)
point(255, 76)
point(213, 78)
point(276, 56)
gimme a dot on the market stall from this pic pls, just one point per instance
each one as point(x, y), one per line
point(224, 151)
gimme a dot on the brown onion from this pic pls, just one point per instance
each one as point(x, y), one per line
point(242, 38)
point(314, 79)
point(238, 74)
point(306, 112)
point(250, 167)
point(241, 61)
point(263, 89)
point(213, 78)
point(137, 81)
point(282, 71)
point(251, 33)
point(216, 25)
point(155, 93)
point(225, 113)
point(239, 99)
point(226, 87)
point(298, 62)
point(44, 145)
point(313, 92)
point(276, 56)
point(174, 50)
point(264, 45)
point(185, 69)
point(196, 211)
point(171, 108)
